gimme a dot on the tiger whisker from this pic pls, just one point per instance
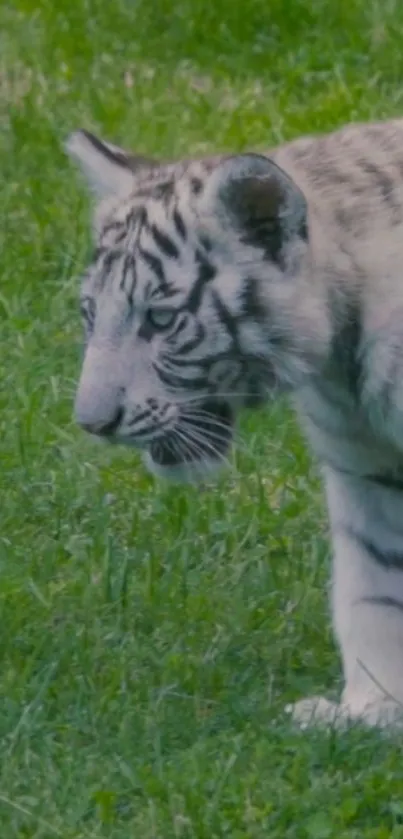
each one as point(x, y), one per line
point(200, 444)
point(182, 446)
point(192, 439)
point(238, 441)
point(205, 416)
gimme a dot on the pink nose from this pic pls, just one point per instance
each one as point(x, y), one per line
point(103, 429)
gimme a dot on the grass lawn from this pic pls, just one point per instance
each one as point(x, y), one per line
point(151, 636)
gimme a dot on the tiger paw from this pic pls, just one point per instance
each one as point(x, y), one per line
point(316, 711)
point(321, 712)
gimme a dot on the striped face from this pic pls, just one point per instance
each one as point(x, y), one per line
point(183, 301)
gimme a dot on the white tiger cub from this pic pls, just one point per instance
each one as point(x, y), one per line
point(216, 283)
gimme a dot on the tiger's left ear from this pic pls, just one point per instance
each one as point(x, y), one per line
point(251, 193)
point(108, 168)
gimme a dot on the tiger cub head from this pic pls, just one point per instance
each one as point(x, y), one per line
point(196, 304)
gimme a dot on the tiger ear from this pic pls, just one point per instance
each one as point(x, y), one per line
point(252, 193)
point(108, 168)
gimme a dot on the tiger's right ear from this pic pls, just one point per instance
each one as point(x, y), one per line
point(108, 168)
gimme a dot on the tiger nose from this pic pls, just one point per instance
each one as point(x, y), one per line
point(102, 428)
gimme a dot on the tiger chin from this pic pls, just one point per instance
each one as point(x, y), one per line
point(216, 284)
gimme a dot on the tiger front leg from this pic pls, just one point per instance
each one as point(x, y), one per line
point(367, 605)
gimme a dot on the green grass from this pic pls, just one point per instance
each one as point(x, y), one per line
point(150, 637)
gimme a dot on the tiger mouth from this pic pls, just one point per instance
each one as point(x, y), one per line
point(205, 434)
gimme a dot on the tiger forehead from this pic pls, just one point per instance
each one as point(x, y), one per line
point(124, 223)
point(117, 274)
point(147, 226)
point(147, 258)
point(148, 244)
point(156, 193)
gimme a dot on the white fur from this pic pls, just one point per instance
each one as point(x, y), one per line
point(351, 269)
